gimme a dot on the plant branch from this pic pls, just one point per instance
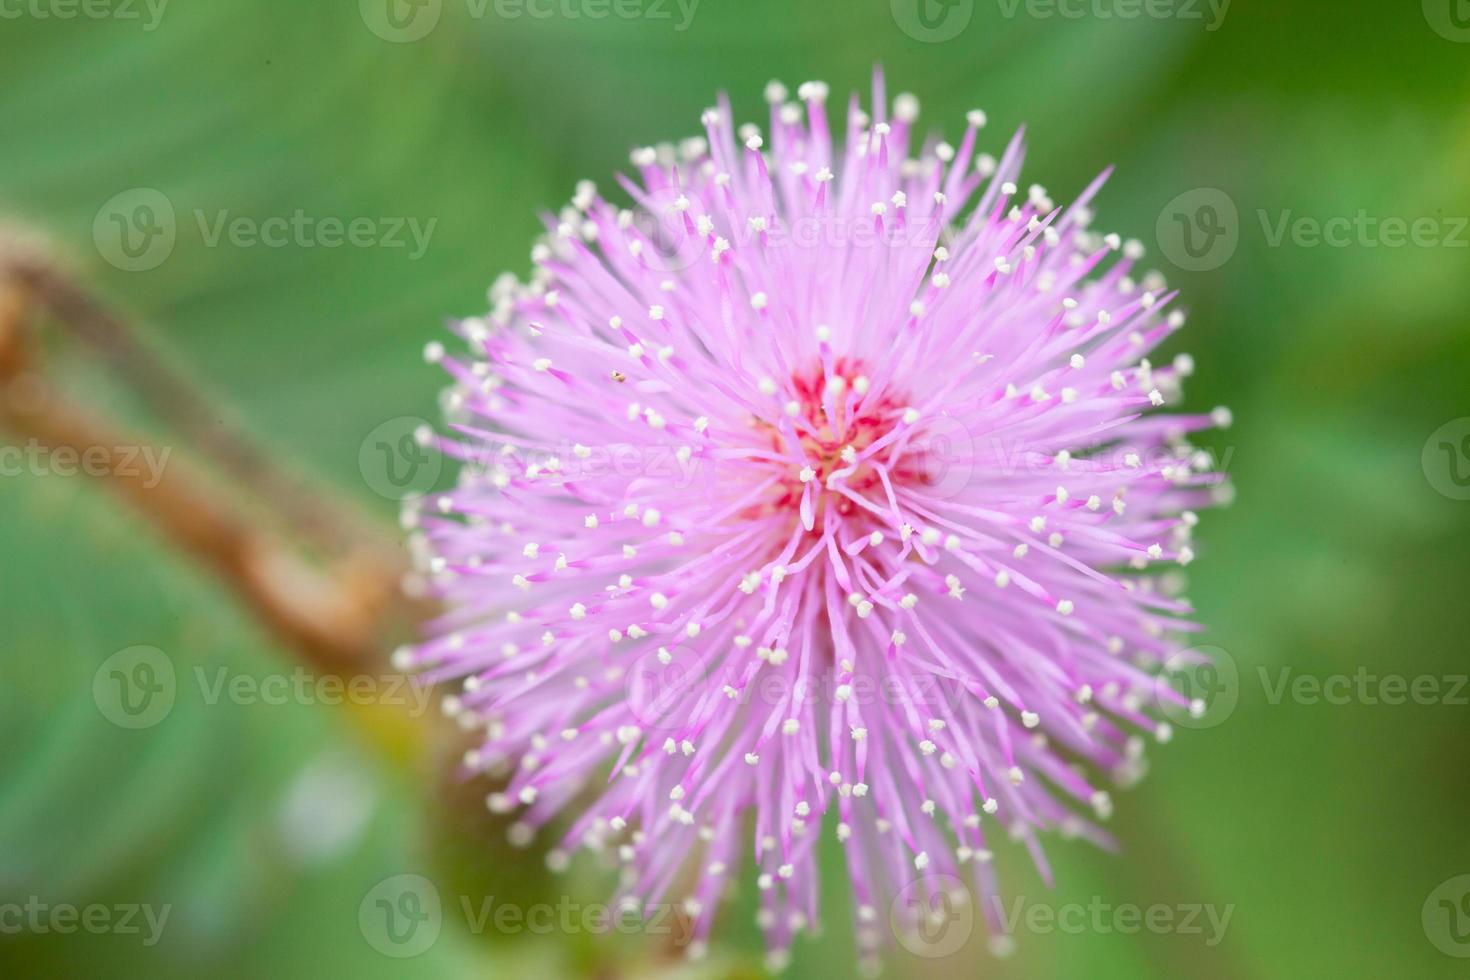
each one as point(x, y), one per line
point(170, 395)
point(336, 617)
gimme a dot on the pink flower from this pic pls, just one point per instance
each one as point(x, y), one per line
point(820, 494)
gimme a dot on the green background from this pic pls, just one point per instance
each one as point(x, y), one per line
point(1324, 827)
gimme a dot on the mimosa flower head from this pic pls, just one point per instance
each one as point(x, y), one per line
point(825, 488)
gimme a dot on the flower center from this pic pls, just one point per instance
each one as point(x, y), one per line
point(841, 432)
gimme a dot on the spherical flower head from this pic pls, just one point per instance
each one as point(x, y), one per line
point(823, 490)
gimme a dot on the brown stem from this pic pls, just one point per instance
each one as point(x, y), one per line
point(169, 395)
point(337, 618)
